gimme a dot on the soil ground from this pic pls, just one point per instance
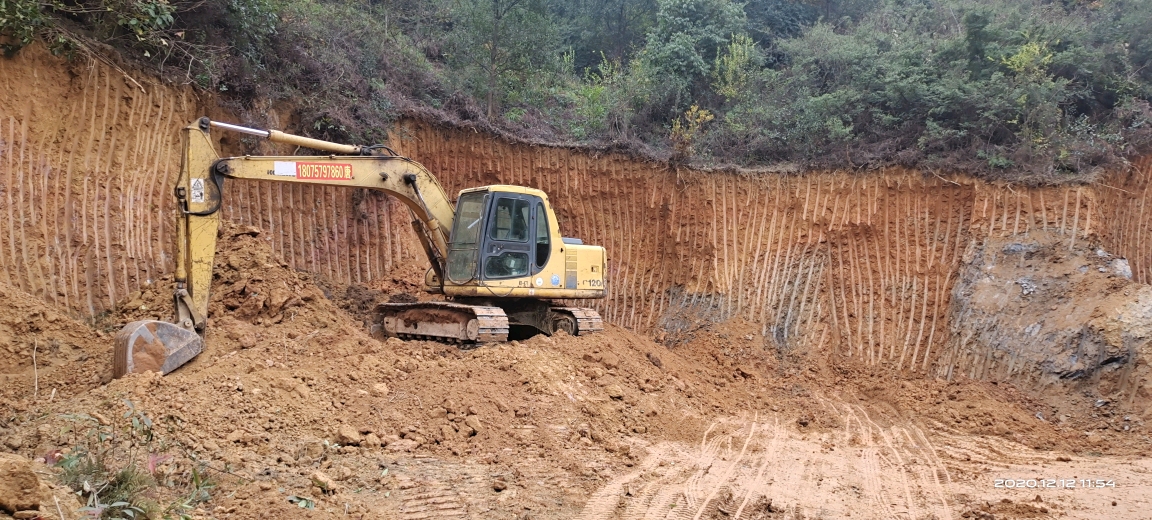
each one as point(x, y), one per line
point(292, 398)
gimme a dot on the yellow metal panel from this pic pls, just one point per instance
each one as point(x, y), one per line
point(196, 241)
point(488, 291)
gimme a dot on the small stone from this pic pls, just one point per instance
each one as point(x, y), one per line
point(499, 485)
point(438, 412)
point(265, 486)
point(20, 488)
point(235, 436)
point(347, 435)
point(247, 341)
point(655, 360)
point(252, 231)
point(474, 422)
point(325, 483)
point(610, 360)
point(26, 515)
point(615, 392)
point(372, 440)
point(403, 445)
point(380, 390)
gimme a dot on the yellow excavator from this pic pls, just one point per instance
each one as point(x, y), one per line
point(498, 259)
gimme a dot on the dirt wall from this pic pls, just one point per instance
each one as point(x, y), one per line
point(863, 265)
point(860, 264)
point(1127, 201)
point(88, 156)
point(86, 160)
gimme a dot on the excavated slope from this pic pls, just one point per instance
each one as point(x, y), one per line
point(864, 263)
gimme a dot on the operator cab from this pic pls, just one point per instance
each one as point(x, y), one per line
point(499, 233)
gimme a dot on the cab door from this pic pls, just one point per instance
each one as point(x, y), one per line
point(509, 244)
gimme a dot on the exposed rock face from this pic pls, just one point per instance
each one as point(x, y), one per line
point(20, 488)
point(1045, 308)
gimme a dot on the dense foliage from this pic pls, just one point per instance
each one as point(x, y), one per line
point(1043, 90)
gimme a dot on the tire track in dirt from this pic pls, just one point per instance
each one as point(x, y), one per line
point(975, 463)
point(433, 489)
point(432, 499)
point(757, 482)
point(726, 475)
point(873, 467)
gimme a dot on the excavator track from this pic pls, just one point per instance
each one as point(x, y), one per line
point(587, 320)
point(441, 321)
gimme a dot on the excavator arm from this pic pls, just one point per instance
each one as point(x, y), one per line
point(163, 346)
point(199, 194)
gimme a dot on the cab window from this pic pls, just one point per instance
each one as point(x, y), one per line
point(543, 240)
point(468, 229)
point(509, 264)
point(511, 220)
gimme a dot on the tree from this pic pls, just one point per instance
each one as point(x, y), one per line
point(690, 33)
point(499, 37)
point(593, 29)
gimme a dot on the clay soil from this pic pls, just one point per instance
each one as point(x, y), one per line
point(292, 399)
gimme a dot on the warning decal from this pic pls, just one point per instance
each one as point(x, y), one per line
point(197, 190)
point(324, 171)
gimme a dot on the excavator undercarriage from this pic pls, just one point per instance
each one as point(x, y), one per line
point(476, 323)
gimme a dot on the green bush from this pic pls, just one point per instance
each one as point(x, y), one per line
point(1034, 90)
point(19, 22)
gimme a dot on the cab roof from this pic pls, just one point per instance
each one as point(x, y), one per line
point(507, 188)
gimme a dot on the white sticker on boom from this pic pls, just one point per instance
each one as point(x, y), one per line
point(197, 190)
point(284, 168)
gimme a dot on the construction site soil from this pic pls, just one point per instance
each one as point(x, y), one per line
point(291, 391)
point(890, 345)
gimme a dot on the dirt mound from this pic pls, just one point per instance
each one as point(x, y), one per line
point(292, 404)
point(45, 354)
point(290, 385)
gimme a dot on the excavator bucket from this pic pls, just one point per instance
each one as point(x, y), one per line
point(154, 345)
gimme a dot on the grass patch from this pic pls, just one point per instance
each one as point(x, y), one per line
point(128, 470)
